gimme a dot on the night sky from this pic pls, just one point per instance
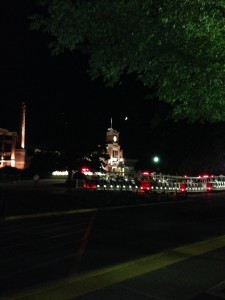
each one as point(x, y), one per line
point(61, 98)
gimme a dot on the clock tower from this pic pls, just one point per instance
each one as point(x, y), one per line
point(112, 136)
point(116, 161)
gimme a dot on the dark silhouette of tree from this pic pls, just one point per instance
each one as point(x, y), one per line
point(175, 47)
point(97, 159)
point(45, 162)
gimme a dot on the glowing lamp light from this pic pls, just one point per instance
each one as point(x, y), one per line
point(83, 170)
point(60, 173)
point(86, 171)
point(145, 173)
point(156, 159)
point(204, 176)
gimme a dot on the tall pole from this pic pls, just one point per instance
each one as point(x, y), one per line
point(111, 122)
point(22, 128)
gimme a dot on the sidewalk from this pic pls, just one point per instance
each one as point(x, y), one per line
point(192, 272)
point(200, 278)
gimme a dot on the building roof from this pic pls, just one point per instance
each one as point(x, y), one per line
point(3, 131)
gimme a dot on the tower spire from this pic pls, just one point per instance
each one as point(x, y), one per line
point(22, 126)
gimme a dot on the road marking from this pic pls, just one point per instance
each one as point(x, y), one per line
point(218, 290)
point(86, 210)
point(79, 285)
point(49, 214)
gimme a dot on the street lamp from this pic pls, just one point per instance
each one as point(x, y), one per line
point(156, 161)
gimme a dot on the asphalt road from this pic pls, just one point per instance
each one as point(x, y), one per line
point(43, 248)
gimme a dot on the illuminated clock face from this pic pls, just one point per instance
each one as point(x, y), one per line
point(115, 138)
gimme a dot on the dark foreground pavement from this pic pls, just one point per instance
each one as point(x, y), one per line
point(192, 272)
point(179, 274)
point(198, 278)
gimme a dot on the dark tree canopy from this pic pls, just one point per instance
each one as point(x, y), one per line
point(176, 47)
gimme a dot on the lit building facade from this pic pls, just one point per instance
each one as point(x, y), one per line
point(12, 146)
point(116, 161)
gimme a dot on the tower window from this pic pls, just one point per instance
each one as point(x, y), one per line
point(115, 154)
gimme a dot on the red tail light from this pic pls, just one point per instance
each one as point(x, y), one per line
point(183, 187)
point(145, 185)
point(209, 186)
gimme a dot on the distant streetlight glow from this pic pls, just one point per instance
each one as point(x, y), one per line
point(156, 159)
point(60, 173)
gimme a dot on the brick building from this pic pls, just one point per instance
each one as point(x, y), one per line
point(12, 145)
